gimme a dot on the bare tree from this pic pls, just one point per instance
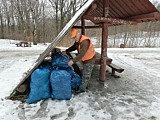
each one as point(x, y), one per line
point(64, 10)
point(2, 24)
point(13, 23)
point(34, 5)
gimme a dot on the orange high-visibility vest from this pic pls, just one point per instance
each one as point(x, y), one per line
point(90, 53)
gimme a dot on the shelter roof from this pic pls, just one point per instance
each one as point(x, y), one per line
point(120, 11)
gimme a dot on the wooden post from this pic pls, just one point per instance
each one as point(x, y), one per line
point(83, 26)
point(104, 42)
point(103, 52)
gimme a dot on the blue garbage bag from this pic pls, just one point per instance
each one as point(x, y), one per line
point(75, 78)
point(61, 85)
point(70, 70)
point(60, 61)
point(76, 81)
point(39, 85)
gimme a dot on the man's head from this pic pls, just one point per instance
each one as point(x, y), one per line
point(74, 32)
point(75, 35)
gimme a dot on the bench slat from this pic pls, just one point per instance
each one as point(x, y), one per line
point(116, 68)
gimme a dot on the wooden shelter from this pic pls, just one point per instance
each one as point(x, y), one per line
point(103, 13)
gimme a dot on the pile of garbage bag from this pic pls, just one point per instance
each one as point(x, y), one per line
point(54, 80)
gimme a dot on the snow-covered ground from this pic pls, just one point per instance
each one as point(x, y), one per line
point(133, 96)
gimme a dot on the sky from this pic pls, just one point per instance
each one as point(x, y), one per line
point(134, 95)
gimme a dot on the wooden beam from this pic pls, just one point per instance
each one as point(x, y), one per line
point(113, 21)
point(88, 27)
point(150, 16)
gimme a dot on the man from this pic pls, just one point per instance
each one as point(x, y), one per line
point(86, 54)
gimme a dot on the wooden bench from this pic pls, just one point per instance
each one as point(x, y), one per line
point(98, 61)
point(115, 68)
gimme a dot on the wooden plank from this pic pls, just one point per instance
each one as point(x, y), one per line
point(110, 20)
point(113, 12)
point(91, 8)
point(98, 59)
point(120, 10)
point(139, 5)
point(154, 15)
point(129, 7)
point(147, 4)
point(88, 27)
point(116, 68)
point(108, 61)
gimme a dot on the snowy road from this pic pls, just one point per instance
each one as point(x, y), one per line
point(133, 96)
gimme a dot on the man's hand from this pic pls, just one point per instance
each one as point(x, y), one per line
point(70, 63)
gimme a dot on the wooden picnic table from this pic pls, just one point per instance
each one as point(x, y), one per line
point(23, 44)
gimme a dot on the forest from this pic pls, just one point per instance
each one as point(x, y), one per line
point(40, 21)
